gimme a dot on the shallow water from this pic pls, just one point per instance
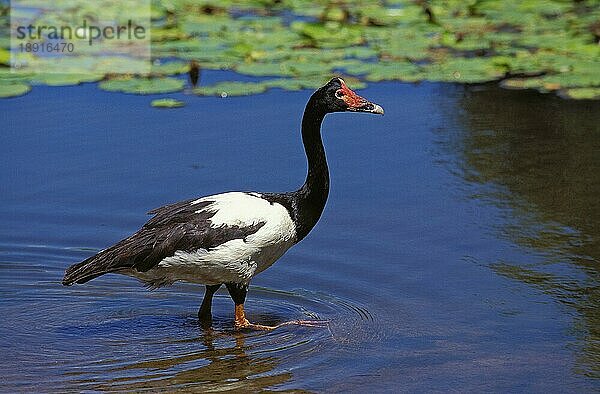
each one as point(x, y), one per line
point(459, 249)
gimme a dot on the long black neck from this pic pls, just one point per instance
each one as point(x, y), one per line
point(309, 200)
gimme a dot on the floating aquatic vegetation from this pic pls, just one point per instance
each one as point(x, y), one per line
point(64, 79)
point(140, 85)
point(307, 82)
point(467, 70)
point(582, 93)
point(225, 89)
point(401, 70)
point(329, 34)
point(6, 75)
point(548, 46)
point(170, 68)
point(167, 103)
point(4, 57)
point(13, 89)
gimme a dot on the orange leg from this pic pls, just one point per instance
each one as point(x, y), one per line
point(242, 322)
point(238, 293)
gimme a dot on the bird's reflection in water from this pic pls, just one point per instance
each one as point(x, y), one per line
point(221, 361)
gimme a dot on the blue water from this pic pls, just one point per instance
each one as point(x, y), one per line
point(458, 250)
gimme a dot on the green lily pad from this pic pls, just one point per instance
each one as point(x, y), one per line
point(550, 45)
point(136, 85)
point(167, 34)
point(294, 84)
point(225, 89)
point(7, 75)
point(264, 69)
point(582, 93)
point(360, 52)
point(167, 103)
point(13, 89)
point(329, 35)
point(523, 83)
point(170, 68)
point(4, 57)
point(466, 70)
point(52, 79)
point(386, 71)
point(409, 44)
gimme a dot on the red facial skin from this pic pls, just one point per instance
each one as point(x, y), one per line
point(352, 99)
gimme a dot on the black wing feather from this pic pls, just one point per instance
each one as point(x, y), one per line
point(174, 227)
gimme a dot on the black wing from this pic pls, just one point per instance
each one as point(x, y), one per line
point(175, 227)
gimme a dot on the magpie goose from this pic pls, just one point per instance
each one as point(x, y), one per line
point(229, 238)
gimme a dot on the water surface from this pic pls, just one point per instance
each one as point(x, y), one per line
point(459, 248)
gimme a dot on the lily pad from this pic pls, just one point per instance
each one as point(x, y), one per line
point(225, 89)
point(6, 75)
point(13, 89)
point(549, 46)
point(137, 85)
point(4, 57)
point(330, 34)
point(582, 93)
point(264, 69)
point(167, 103)
point(52, 79)
point(522, 83)
point(313, 82)
point(466, 70)
point(360, 52)
point(170, 68)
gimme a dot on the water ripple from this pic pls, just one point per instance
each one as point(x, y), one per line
point(114, 335)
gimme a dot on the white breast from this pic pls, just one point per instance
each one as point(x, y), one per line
point(237, 260)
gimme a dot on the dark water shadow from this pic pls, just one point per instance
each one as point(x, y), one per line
point(537, 159)
point(212, 366)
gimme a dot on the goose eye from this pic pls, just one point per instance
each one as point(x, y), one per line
point(339, 94)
